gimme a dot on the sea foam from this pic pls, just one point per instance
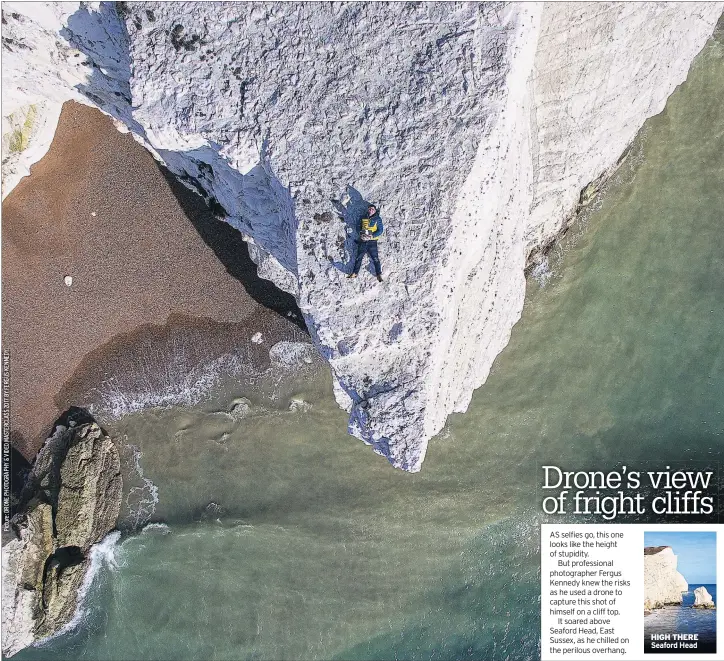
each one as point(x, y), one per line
point(142, 498)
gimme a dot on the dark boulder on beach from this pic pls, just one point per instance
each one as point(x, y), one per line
point(70, 501)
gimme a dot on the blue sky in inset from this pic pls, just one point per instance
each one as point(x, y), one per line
point(696, 552)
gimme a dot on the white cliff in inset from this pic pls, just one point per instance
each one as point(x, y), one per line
point(702, 598)
point(663, 584)
point(475, 126)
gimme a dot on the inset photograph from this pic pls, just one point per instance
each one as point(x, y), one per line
point(680, 592)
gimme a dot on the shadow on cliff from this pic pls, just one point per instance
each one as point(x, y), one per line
point(350, 214)
point(100, 34)
point(232, 251)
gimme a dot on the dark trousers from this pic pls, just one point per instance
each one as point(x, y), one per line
point(370, 248)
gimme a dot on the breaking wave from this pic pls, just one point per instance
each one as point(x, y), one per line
point(102, 556)
point(542, 272)
point(174, 384)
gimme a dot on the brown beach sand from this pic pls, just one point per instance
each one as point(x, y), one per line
point(151, 269)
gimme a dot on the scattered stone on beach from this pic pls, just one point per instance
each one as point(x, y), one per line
point(70, 501)
point(298, 404)
point(702, 598)
point(68, 280)
point(240, 408)
point(257, 338)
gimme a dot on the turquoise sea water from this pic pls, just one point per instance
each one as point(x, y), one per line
point(286, 539)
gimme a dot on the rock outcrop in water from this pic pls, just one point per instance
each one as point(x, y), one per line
point(663, 584)
point(476, 126)
point(70, 502)
point(702, 598)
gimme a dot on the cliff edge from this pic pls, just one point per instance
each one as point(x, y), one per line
point(474, 126)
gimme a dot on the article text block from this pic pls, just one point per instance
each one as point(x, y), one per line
point(592, 594)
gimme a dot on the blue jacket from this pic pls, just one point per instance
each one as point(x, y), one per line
point(374, 225)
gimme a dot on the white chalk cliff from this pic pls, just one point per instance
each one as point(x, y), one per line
point(663, 584)
point(475, 126)
point(702, 598)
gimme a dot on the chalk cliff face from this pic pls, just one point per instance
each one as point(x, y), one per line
point(475, 126)
point(702, 598)
point(662, 583)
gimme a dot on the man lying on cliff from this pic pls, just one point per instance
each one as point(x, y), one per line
point(371, 229)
